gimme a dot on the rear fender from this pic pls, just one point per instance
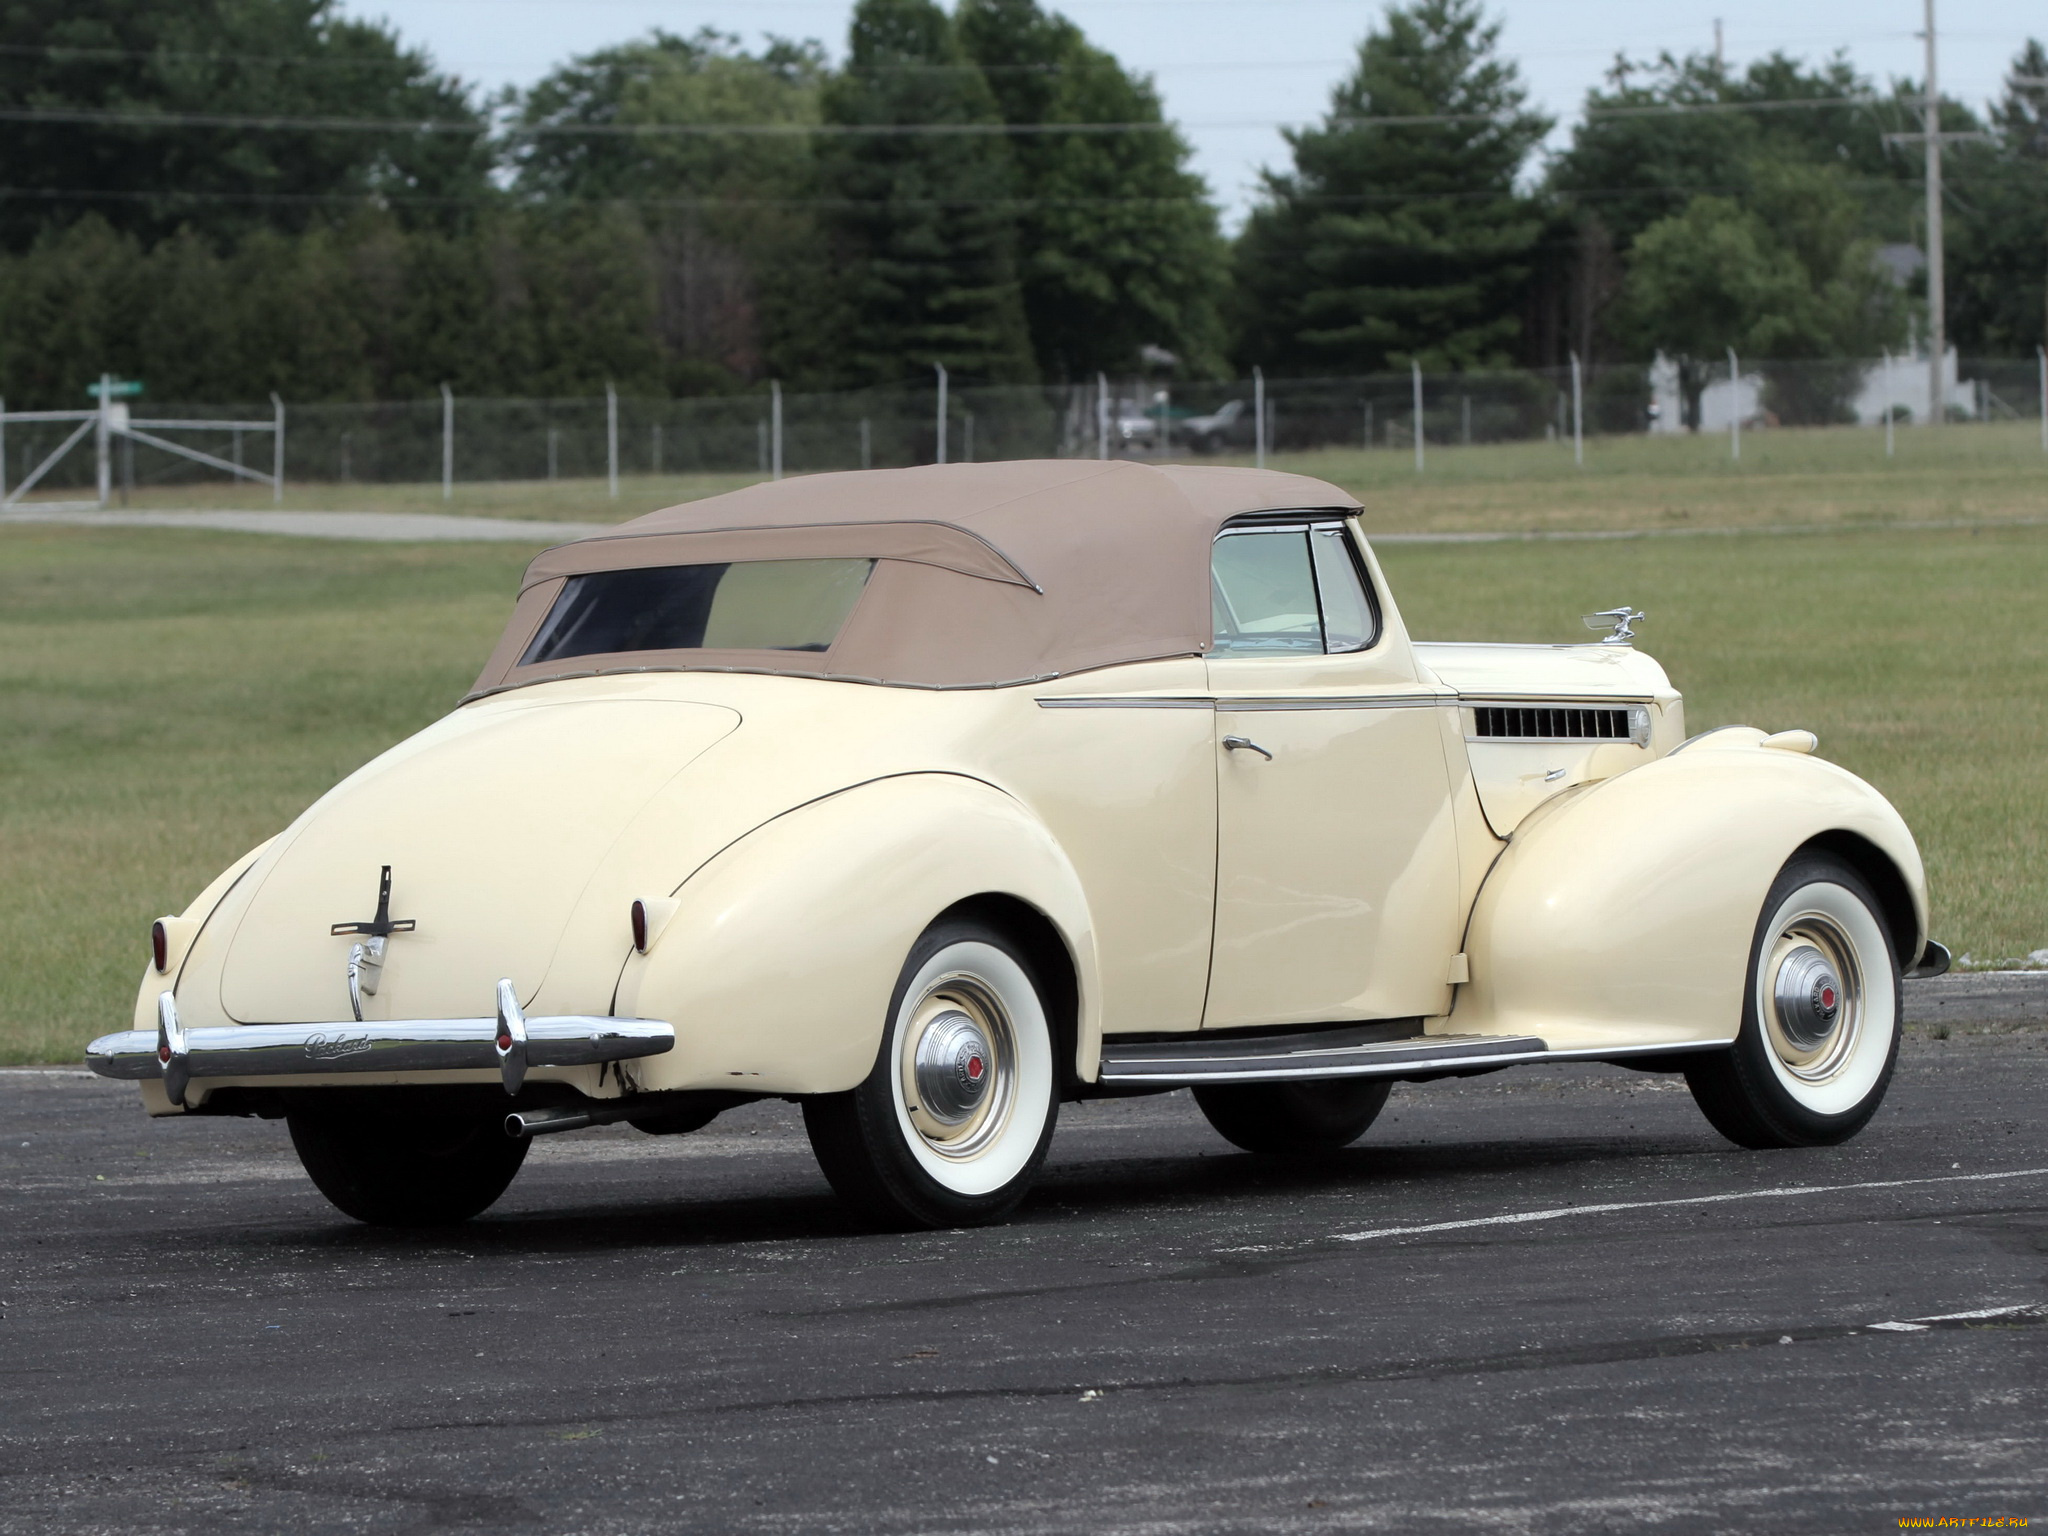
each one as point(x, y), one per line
point(1623, 914)
point(779, 962)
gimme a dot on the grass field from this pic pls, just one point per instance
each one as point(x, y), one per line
point(168, 699)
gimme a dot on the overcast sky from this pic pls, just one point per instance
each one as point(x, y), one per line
point(1233, 71)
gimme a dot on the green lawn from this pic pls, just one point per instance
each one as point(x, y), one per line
point(168, 699)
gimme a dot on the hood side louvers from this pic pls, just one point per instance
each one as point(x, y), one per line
point(1550, 722)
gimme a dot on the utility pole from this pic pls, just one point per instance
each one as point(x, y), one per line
point(1720, 53)
point(1932, 138)
point(1937, 307)
point(941, 367)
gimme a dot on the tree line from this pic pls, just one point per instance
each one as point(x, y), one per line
point(226, 197)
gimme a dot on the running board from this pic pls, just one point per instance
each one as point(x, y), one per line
point(1358, 1052)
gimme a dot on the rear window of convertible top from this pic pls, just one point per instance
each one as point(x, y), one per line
point(753, 605)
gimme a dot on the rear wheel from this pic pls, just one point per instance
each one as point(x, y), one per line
point(1294, 1119)
point(430, 1168)
point(1820, 1016)
point(953, 1121)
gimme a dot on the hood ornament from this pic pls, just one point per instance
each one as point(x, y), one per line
point(366, 960)
point(1620, 621)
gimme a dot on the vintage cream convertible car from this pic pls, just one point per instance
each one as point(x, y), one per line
point(931, 798)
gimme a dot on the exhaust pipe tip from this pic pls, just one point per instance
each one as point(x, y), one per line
point(524, 1123)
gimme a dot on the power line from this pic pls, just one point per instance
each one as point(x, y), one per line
point(718, 204)
point(86, 117)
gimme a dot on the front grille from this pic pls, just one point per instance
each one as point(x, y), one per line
point(1547, 722)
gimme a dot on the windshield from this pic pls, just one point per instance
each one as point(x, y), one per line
point(755, 605)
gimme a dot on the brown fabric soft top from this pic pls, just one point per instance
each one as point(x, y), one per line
point(985, 574)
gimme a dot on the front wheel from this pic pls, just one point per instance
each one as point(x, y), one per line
point(1820, 1016)
point(952, 1123)
point(403, 1165)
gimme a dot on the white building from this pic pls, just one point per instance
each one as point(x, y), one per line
point(1888, 385)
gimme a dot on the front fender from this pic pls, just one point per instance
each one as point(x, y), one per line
point(1623, 914)
point(780, 959)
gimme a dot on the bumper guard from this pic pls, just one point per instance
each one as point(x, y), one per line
point(508, 1043)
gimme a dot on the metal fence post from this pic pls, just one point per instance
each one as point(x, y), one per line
point(1734, 407)
point(775, 430)
point(447, 443)
point(942, 411)
point(1889, 425)
point(554, 445)
point(866, 445)
point(103, 437)
point(1102, 415)
point(2040, 354)
point(277, 452)
point(1415, 374)
point(611, 438)
point(1578, 415)
point(655, 458)
point(3, 447)
point(1259, 417)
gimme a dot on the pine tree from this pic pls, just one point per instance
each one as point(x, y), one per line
point(1394, 239)
point(734, 239)
point(921, 227)
point(1118, 242)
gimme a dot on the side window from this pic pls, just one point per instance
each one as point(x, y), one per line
point(1264, 595)
point(1351, 622)
point(1289, 591)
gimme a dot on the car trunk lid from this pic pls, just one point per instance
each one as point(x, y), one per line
point(492, 823)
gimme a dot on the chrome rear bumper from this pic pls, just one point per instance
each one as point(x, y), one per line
point(508, 1044)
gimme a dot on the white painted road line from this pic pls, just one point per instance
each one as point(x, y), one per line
point(1561, 1212)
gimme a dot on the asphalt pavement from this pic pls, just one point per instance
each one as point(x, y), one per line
point(1546, 1300)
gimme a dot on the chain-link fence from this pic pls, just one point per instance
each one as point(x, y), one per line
point(460, 440)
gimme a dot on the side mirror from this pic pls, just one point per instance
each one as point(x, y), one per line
point(1617, 623)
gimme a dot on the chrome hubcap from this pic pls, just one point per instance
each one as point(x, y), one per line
point(1815, 997)
point(952, 1067)
point(959, 1067)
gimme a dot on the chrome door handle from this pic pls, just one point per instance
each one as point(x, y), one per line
point(1245, 744)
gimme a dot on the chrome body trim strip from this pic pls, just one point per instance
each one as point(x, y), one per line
point(179, 1056)
point(1263, 702)
point(1364, 701)
point(1562, 700)
point(1135, 702)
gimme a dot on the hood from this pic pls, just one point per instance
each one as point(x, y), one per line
point(492, 821)
point(1485, 671)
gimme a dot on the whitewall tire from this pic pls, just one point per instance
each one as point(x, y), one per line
point(1820, 1018)
point(954, 1119)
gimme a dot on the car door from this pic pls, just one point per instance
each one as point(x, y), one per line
point(1337, 865)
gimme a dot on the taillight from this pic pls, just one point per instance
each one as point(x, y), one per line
point(160, 946)
point(639, 928)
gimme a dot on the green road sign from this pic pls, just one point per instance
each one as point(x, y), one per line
point(123, 389)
